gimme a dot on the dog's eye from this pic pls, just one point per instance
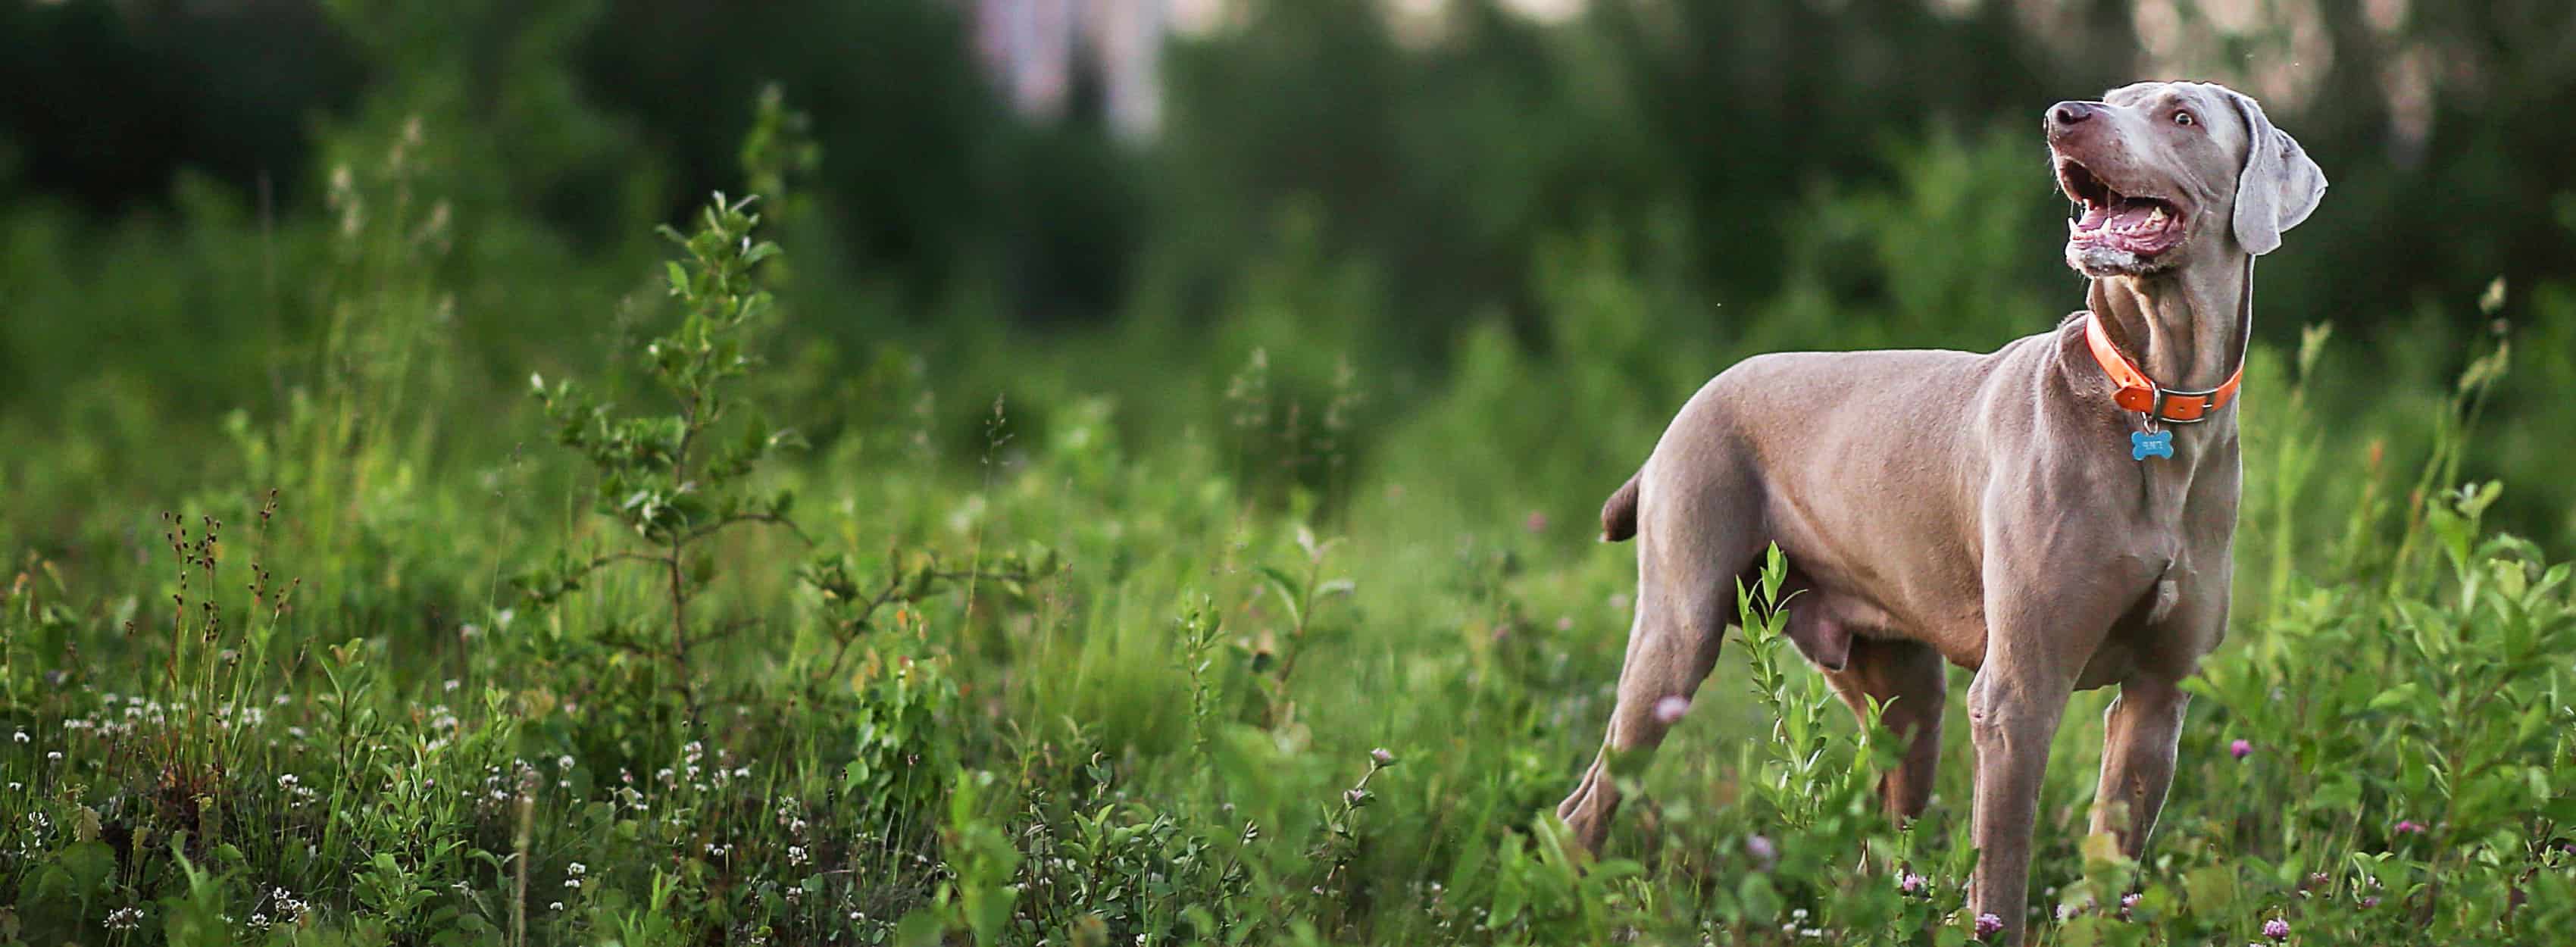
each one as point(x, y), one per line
point(2183, 117)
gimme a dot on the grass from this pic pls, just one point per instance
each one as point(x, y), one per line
point(390, 679)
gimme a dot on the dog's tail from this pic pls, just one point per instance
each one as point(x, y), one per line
point(1619, 514)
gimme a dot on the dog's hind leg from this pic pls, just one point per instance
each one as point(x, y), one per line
point(1908, 679)
point(1697, 531)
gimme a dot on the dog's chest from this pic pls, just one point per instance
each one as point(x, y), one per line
point(2148, 630)
point(2162, 596)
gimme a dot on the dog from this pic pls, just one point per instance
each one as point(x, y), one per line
point(2056, 515)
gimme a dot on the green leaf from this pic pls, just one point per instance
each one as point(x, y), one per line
point(1286, 586)
point(2561, 810)
point(89, 864)
point(1761, 901)
point(2209, 889)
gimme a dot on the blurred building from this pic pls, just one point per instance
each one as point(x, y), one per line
point(1037, 50)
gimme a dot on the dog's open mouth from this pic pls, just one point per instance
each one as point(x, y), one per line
point(2139, 225)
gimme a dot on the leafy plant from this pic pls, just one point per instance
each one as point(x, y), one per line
point(676, 482)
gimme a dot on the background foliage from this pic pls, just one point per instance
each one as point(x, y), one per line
point(1106, 500)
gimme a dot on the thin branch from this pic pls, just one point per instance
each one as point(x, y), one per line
point(772, 519)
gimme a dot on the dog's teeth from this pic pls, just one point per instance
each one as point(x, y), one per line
point(2157, 216)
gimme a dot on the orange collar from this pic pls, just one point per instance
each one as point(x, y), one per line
point(2141, 394)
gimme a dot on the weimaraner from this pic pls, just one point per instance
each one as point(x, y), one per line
point(2048, 515)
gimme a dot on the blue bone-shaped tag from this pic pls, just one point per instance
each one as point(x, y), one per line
point(2144, 444)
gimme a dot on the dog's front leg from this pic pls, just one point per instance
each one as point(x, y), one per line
point(2140, 729)
point(2138, 737)
point(2012, 716)
point(2033, 653)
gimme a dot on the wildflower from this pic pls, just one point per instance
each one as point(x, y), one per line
point(1381, 757)
point(1989, 925)
point(2369, 901)
point(287, 782)
point(2130, 899)
point(22, 736)
point(1537, 521)
point(125, 919)
point(1671, 708)
point(556, 906)
point(2241, 749)
point(1911, 883)
point(577, 869)
point(2409, 827)
point(54, 756)
point(564, 761)
point(2276, 929)
point(1762, 850)
point(1357, 797)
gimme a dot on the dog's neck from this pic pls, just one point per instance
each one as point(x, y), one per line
point(2181, 325)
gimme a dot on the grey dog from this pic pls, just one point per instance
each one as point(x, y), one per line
point(2055, 515)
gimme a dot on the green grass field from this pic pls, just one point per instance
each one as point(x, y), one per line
point(1179, 635)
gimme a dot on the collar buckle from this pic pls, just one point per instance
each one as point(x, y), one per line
point(2208, 404)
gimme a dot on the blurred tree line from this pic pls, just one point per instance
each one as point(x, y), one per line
point(1446, 160)
point(1421, 176)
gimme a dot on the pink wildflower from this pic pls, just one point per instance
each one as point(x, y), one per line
point(1669, 710)
point(1989, 925)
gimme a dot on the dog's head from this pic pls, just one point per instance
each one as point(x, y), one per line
point(2170, 172)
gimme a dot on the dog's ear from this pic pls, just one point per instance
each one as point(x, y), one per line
point(2279, 187)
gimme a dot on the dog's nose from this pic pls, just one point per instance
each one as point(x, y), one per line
point(2066, 114)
